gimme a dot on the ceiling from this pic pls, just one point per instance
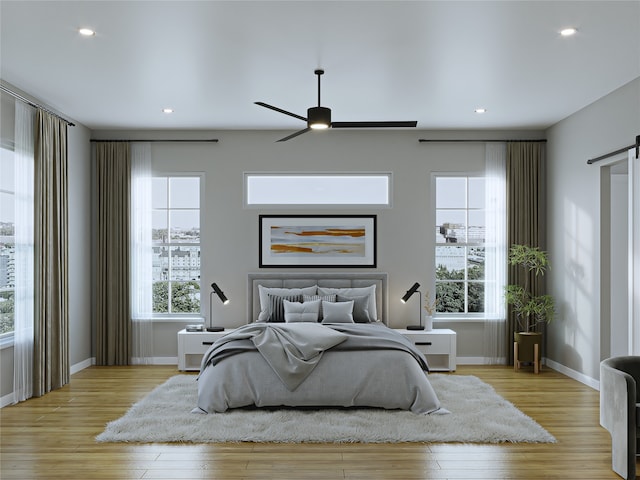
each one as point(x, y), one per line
point(430, 61)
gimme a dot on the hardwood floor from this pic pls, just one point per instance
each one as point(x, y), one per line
point(53, 437)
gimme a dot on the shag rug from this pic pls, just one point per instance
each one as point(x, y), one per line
point(478, 415)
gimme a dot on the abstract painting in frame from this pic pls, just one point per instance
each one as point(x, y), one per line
point(317, 241)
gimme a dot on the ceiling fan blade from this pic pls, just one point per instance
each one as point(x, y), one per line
point(271, 107)
point(409, 124)
point(293, 135)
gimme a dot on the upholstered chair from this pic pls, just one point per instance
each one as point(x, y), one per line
point(619, 397)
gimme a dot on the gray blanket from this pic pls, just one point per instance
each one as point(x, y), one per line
point(373, 367)
point(291, 349)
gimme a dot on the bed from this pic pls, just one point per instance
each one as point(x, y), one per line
point(315, 340)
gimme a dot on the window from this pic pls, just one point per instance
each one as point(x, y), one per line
point(7, 242)
point(317, 189)
point(460, 244)
point(175, 220)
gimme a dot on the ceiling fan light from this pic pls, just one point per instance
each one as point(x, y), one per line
point(318, 118)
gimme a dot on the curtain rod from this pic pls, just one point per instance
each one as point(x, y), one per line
point(425, 140)
point(209, 140)
point(35, 105)
point(616, 152)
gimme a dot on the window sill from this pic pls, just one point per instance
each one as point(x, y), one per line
point(173, 319)
point(6, 341)
point(460, 319)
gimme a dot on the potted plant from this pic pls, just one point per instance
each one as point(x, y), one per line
point(531, 310)
point(429, 309)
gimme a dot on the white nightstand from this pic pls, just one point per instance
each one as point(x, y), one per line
point(438, 345)
point(193, 345)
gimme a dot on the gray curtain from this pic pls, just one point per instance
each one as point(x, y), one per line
point(526, 213)
point(51, 310)
point(113, 180)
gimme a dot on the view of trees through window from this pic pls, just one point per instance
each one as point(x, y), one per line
point(176, 244)
point(7, 241)
point(460, 244)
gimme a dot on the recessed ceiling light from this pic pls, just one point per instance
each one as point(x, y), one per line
point(567, 32)
point(167, 110)
point(480, 110)
point(86, 32)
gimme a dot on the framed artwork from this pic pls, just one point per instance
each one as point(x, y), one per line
point(317, 241)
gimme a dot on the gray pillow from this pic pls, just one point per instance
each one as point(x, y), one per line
point(360, 307)
point(339, 312)
point(356, 291)
point(301, 312)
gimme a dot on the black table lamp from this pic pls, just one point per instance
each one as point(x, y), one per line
point(223, 299)
point(406, 297)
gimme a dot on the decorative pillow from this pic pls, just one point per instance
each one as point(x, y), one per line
point(327, 298)
point(276, 306)
point(360, 307)
point(264, 292)
point(356, 292)
point(301, 312)
point(339, 312)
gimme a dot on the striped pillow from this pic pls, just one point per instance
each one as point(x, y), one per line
point(276, 306)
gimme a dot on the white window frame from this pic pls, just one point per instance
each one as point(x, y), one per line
point(342, 175)
point(183, 316)
point(456, 315)
point(6, 339)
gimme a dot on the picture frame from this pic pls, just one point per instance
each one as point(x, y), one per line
point(304, 241)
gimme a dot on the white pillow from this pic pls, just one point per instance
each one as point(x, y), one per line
point(356, 292)
point(301, 312)
point(264, 292)
point(339, 312)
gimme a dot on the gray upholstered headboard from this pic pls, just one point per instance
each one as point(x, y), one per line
point(333, 280)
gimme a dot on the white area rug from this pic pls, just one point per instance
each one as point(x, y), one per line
point(478, 415)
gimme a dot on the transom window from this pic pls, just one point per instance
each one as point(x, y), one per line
point(460, 244)
point(317, 189)
point(176, 244)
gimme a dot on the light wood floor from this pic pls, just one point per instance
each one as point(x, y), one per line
point(53, 437)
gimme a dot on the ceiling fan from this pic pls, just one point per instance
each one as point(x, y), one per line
point(320, 118)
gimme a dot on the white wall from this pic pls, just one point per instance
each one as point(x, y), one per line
point(230, 232)
point(619, 303)
point(610, 123)
point(80, 272)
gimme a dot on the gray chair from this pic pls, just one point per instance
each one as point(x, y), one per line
point(619, 397)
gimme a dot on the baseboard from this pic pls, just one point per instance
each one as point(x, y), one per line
point(82, 365)
point(579, 377)
point(155, 361)
point(6, 400)
point(134, 361)
point(478, 361)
